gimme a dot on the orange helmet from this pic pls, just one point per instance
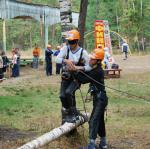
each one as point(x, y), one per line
point(97, 54)
point(73, 35)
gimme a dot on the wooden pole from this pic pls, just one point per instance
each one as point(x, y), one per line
point(45, 31)
point(55, 133)
point(4, 35)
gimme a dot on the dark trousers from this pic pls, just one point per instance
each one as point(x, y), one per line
point(96, 123)
point(125, 54)
point(48, 68)
point(15, 70)
point(58, 68)
point(35, 62)
point(67, 93)
point(1, 73)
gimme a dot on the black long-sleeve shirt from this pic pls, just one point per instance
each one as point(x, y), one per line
point(48, 55)
point(97, 74)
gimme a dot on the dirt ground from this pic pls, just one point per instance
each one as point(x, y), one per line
point(9, 137)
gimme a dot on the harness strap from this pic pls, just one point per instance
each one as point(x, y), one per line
point(67, 56)
point(80, 56)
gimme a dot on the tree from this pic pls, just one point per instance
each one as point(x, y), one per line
point(66, 17)
point(82, 19)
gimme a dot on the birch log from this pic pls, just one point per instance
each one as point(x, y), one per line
point(55, 133)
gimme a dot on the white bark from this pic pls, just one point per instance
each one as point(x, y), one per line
point(54, 134)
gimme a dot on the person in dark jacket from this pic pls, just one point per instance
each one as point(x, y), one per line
point(5, 61)
point(125, 49)
point(96, 79)
point(48, 60)
point(1, 67)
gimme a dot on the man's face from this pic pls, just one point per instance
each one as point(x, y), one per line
point(73, 44)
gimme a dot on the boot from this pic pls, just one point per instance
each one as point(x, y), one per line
point(90, 146)
point(64, 113)
point(103, 147)
point(73, 115)
point(103, 144)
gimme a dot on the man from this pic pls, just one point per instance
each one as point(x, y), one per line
point(125, 48)
point(48, 60)
point(36, 55)
point(15, 66)
point(100, 100)
point(58, 65)
point(106, 58)
point(1, 67)
point(70, 55)
point(5, 62)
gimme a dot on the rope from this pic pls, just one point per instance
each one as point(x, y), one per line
point(132, 95)
point(84, 107)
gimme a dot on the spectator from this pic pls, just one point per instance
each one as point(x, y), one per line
point(48, 60)
point(15, 67)
point(5, 62)
point(1, 67)
point(58, 65)
point(36, 55)
point(18, 58)
point(106, 58)
point(125, 48)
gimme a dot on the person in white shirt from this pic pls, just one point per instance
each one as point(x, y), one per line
point(106, 57)
point(125, 48)
point(70, 55)
point(15, 69)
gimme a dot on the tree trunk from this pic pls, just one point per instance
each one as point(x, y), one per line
point(55, 133)
point(65, 17)
point(82, 19)
point(30, 39)
point(53, 33)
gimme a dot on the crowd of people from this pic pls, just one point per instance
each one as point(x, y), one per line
point(49, 53)
point(12, 64)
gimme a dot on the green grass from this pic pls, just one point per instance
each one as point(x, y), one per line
point(38, 108)
point(39, 102)
point(26, 105)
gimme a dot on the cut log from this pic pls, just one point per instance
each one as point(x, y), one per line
point(55, 133)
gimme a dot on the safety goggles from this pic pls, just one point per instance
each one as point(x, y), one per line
point(71, 42)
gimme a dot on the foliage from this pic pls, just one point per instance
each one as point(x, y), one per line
point(131, 18)
point(128, 17)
